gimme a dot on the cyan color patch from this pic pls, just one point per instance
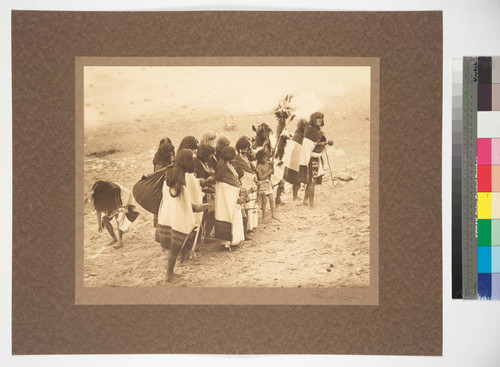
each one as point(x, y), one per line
point(484, 259)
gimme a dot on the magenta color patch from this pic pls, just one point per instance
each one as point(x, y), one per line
point(495, 151)
point(484, 151)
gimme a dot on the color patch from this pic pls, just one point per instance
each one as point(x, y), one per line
point(484, 179)
point(495, 178)
point(484, 205)
point(484, 232)
point(495, 259)
point(488, 124)
point(495, 70)
point(495, 205)
point(495, 232)
point(495, 151)
point(495, 286)
point(484, 151)
point(484, 259)
point(484, 286)
point(495, 97)
point(484, 97)
point(484, 70)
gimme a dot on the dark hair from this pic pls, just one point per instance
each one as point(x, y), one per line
point(260, 155)
point(222, 142)
point(176, 173)
point(204, 152)
point(228, 154)
point(317, 115)
point(242, 143)
point(106, 196)
point(301, 124)
point(163, 156)
point(165, 140)
point(189, 142)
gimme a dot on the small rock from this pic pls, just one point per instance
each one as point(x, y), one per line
point(329, 270)
point(331, 265)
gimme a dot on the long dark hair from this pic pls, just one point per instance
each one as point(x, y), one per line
point(221, 143)
point(204, 152)
point(106, 196)
point(317, 115)
point(163, 156)
point(176, 173)
point(189, 142)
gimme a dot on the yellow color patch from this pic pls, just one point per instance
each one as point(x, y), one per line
point(484, 205)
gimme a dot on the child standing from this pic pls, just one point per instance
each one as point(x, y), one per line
point(264, 187)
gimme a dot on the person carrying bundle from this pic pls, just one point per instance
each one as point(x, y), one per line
point(164, 157)
point(113, 201)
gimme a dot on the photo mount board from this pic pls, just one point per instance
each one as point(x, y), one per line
point(408, 317)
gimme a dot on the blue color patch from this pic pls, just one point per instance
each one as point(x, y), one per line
point(484, 286)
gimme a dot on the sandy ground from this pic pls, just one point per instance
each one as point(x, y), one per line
point(327, 246)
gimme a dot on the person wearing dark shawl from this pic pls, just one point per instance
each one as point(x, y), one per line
point(228, 217)
point(313, 146)
point(176, 216)
point(248, 185)
point(207, 181)
point(113, 201)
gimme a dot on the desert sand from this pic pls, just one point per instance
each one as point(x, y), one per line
point(127, 112)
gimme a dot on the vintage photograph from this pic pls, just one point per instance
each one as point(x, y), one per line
point(227, 176)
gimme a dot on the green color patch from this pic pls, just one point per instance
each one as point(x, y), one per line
point(484, 232)
point(495, 232)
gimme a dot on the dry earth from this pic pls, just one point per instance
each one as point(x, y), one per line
point(327, 246)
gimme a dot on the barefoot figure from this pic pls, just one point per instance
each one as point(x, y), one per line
point(113, 201)
point(264, 187)
point(176, 219)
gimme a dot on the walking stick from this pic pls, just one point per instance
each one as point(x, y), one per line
point(193, 250)
point(330, 169)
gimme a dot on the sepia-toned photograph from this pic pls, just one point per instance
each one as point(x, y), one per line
point(226, 176)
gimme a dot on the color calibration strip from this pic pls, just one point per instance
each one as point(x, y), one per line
point(488, 178)
point(480, 179)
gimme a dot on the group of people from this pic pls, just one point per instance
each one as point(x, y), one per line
point(210, 186)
